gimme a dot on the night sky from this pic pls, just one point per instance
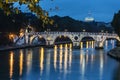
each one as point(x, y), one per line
point(101, 10)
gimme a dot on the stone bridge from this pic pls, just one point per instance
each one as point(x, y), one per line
point(75, 37)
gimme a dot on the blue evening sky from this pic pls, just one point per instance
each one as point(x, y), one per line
point(101, 10)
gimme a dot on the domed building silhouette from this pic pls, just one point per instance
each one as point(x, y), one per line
point(89, 18)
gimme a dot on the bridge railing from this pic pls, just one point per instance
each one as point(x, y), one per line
point(84, 33)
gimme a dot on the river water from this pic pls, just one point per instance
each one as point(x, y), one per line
point(59, 63)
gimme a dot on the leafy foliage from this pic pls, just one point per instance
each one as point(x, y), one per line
point(33, 6)
point(116, 23)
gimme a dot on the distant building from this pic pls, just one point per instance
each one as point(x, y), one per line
point(89, 18)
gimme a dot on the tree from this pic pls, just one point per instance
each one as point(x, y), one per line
point(32, 5)
point(116, 23)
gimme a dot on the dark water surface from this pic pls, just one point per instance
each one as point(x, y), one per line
point(58, 63)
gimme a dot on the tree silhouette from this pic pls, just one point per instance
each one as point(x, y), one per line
point(116, 23)
point(8, 6)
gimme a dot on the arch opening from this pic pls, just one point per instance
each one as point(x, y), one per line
point(38, 41)
point(87, 42)
point(62, 40)
point(110, 42)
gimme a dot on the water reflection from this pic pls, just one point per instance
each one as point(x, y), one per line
point(65, 57)
point(11, 63)
point(29, 60)
point(41, 59)
point(61, 63)
point(87, 44)
point(101, 64)
point(70, 57)
point(21, 62)
point(55, 57)
point(60, 57)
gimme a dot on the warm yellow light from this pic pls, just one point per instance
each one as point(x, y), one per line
point(70, 46)
point(11, 63)
point(11, 36)
point(41, 58)
point(55, 58)
point(60, 58)
point(87, 44)
point(21, 62)
point(81, 45)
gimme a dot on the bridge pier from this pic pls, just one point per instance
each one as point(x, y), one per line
point(49, 43)
point(76, 45)
point(99, 45)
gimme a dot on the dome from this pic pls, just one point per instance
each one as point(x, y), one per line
point(89, 19)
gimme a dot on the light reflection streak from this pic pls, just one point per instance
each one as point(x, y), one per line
point(70, 57)
point(82, 63)
point(92, 43)
point(60, 57)
point(48, 64)
point(92, 58)
point(101, 65)
point(29, 60)
point(55, 57)
point(86, 44)
point(65, 58)
point(113, 43)
point(87, 56)
point(70, 46)
point(81, 45)
point(21, 62)
point(89, 44)
point(11, 63)
point(41, 59)
point(61, 46)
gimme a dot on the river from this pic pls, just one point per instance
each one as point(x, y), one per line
point(59, 63)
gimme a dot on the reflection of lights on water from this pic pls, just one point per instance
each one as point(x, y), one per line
point(11, 63)
point(65, 59)
point(29, 60)
point(70, 46)
point(81, 45)
point(55, 47)
point(21, 62)
point(87, 44)
point(106, 43)
point(113, 43)
point(41, 58)
point(66, 46)
point(87, 58)
point(48, 59)
point(55, 58)
point(101, 65)
point(61, 46)
point(61, 54)
point(82, 63)
point(92, 43)
point(92, 58)
point(70, 57)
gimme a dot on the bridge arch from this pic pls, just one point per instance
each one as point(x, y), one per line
point(38, 39)
point(88, 38)
point(87, 42)
point(109, 38)
point(63, 38)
